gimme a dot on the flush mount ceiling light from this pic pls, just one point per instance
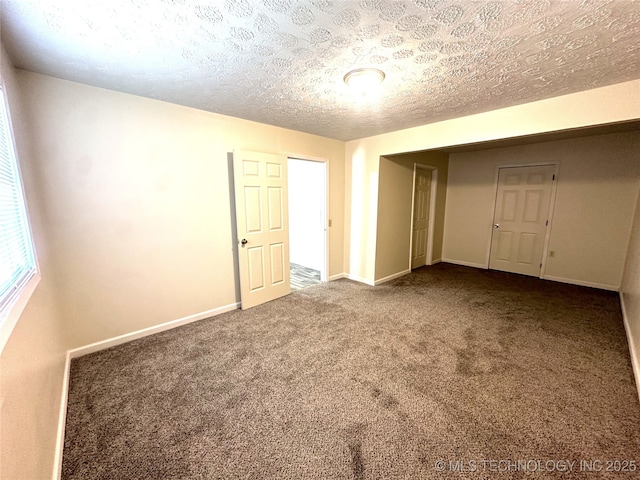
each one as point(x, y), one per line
point(364, 79)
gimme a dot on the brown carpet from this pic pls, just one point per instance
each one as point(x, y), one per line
point(346, 381)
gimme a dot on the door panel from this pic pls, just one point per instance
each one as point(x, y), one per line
point(252, 209)
point(277, 264)
point(504, 245)
point(535, 179)
point(421, 207)
point(262, 224)
point(512, 178)
point(275, 209)
point(520, 219)
point(509, 205)
point(256, 268)
point(274, 170)
point(533, 206)
point(526, 248)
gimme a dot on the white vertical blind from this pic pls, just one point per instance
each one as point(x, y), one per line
point(17, 263)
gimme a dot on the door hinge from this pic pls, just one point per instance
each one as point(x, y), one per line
point(540, 265)
point(554, 177)
point(546, 223)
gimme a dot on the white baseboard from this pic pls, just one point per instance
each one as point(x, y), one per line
point(127, 337)
point(355, 278)
point(391, 277)
point(635, 355)
point(602, 286)
point(337, 276)
point(437, 260)
point(62, 420)
point(464, 264)
point(112, 342)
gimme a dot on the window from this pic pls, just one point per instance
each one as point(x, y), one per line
point(17, 260)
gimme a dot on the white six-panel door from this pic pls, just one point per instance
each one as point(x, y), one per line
point(421, 207)
point(262, 225)
point(520, 219)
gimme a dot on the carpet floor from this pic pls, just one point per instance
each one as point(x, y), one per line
point(448, 372)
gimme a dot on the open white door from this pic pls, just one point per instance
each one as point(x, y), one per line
point(262, 225)
point(520, 219)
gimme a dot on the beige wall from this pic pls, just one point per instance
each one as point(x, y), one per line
point(129, 200)
point(138, 208)
point(395, 191)
point(610, 104)
point(631, 292)
point(595, 198)
point(129, 203)
point(32, 361)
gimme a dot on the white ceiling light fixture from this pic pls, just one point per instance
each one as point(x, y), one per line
point(364, 80)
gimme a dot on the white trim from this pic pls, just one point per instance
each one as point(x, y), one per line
point(18, 305)
point(392, 277)
point(413, 206)
point(464, 264)
point(304, 156)
point(128, 337)
point(635, 356)
point(431, 231)
point(582, 283)
point(356, 278)
point(552, 208)
point(325, 214)
point(112, 342)
point(62, 420)
point(324, 275)
point(338, 276)
point(437, 260)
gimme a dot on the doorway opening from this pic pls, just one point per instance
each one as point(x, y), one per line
point(307, 185)
point(423, 204)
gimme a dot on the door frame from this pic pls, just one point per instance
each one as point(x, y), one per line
point(324, 273)
point(432, 210)
point(552, 202)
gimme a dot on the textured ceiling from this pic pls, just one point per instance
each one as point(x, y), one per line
point(282, 62)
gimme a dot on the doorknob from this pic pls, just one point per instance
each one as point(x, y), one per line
point(497, 225)
point(244, 242)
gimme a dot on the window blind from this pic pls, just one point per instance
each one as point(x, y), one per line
point(17, 261)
